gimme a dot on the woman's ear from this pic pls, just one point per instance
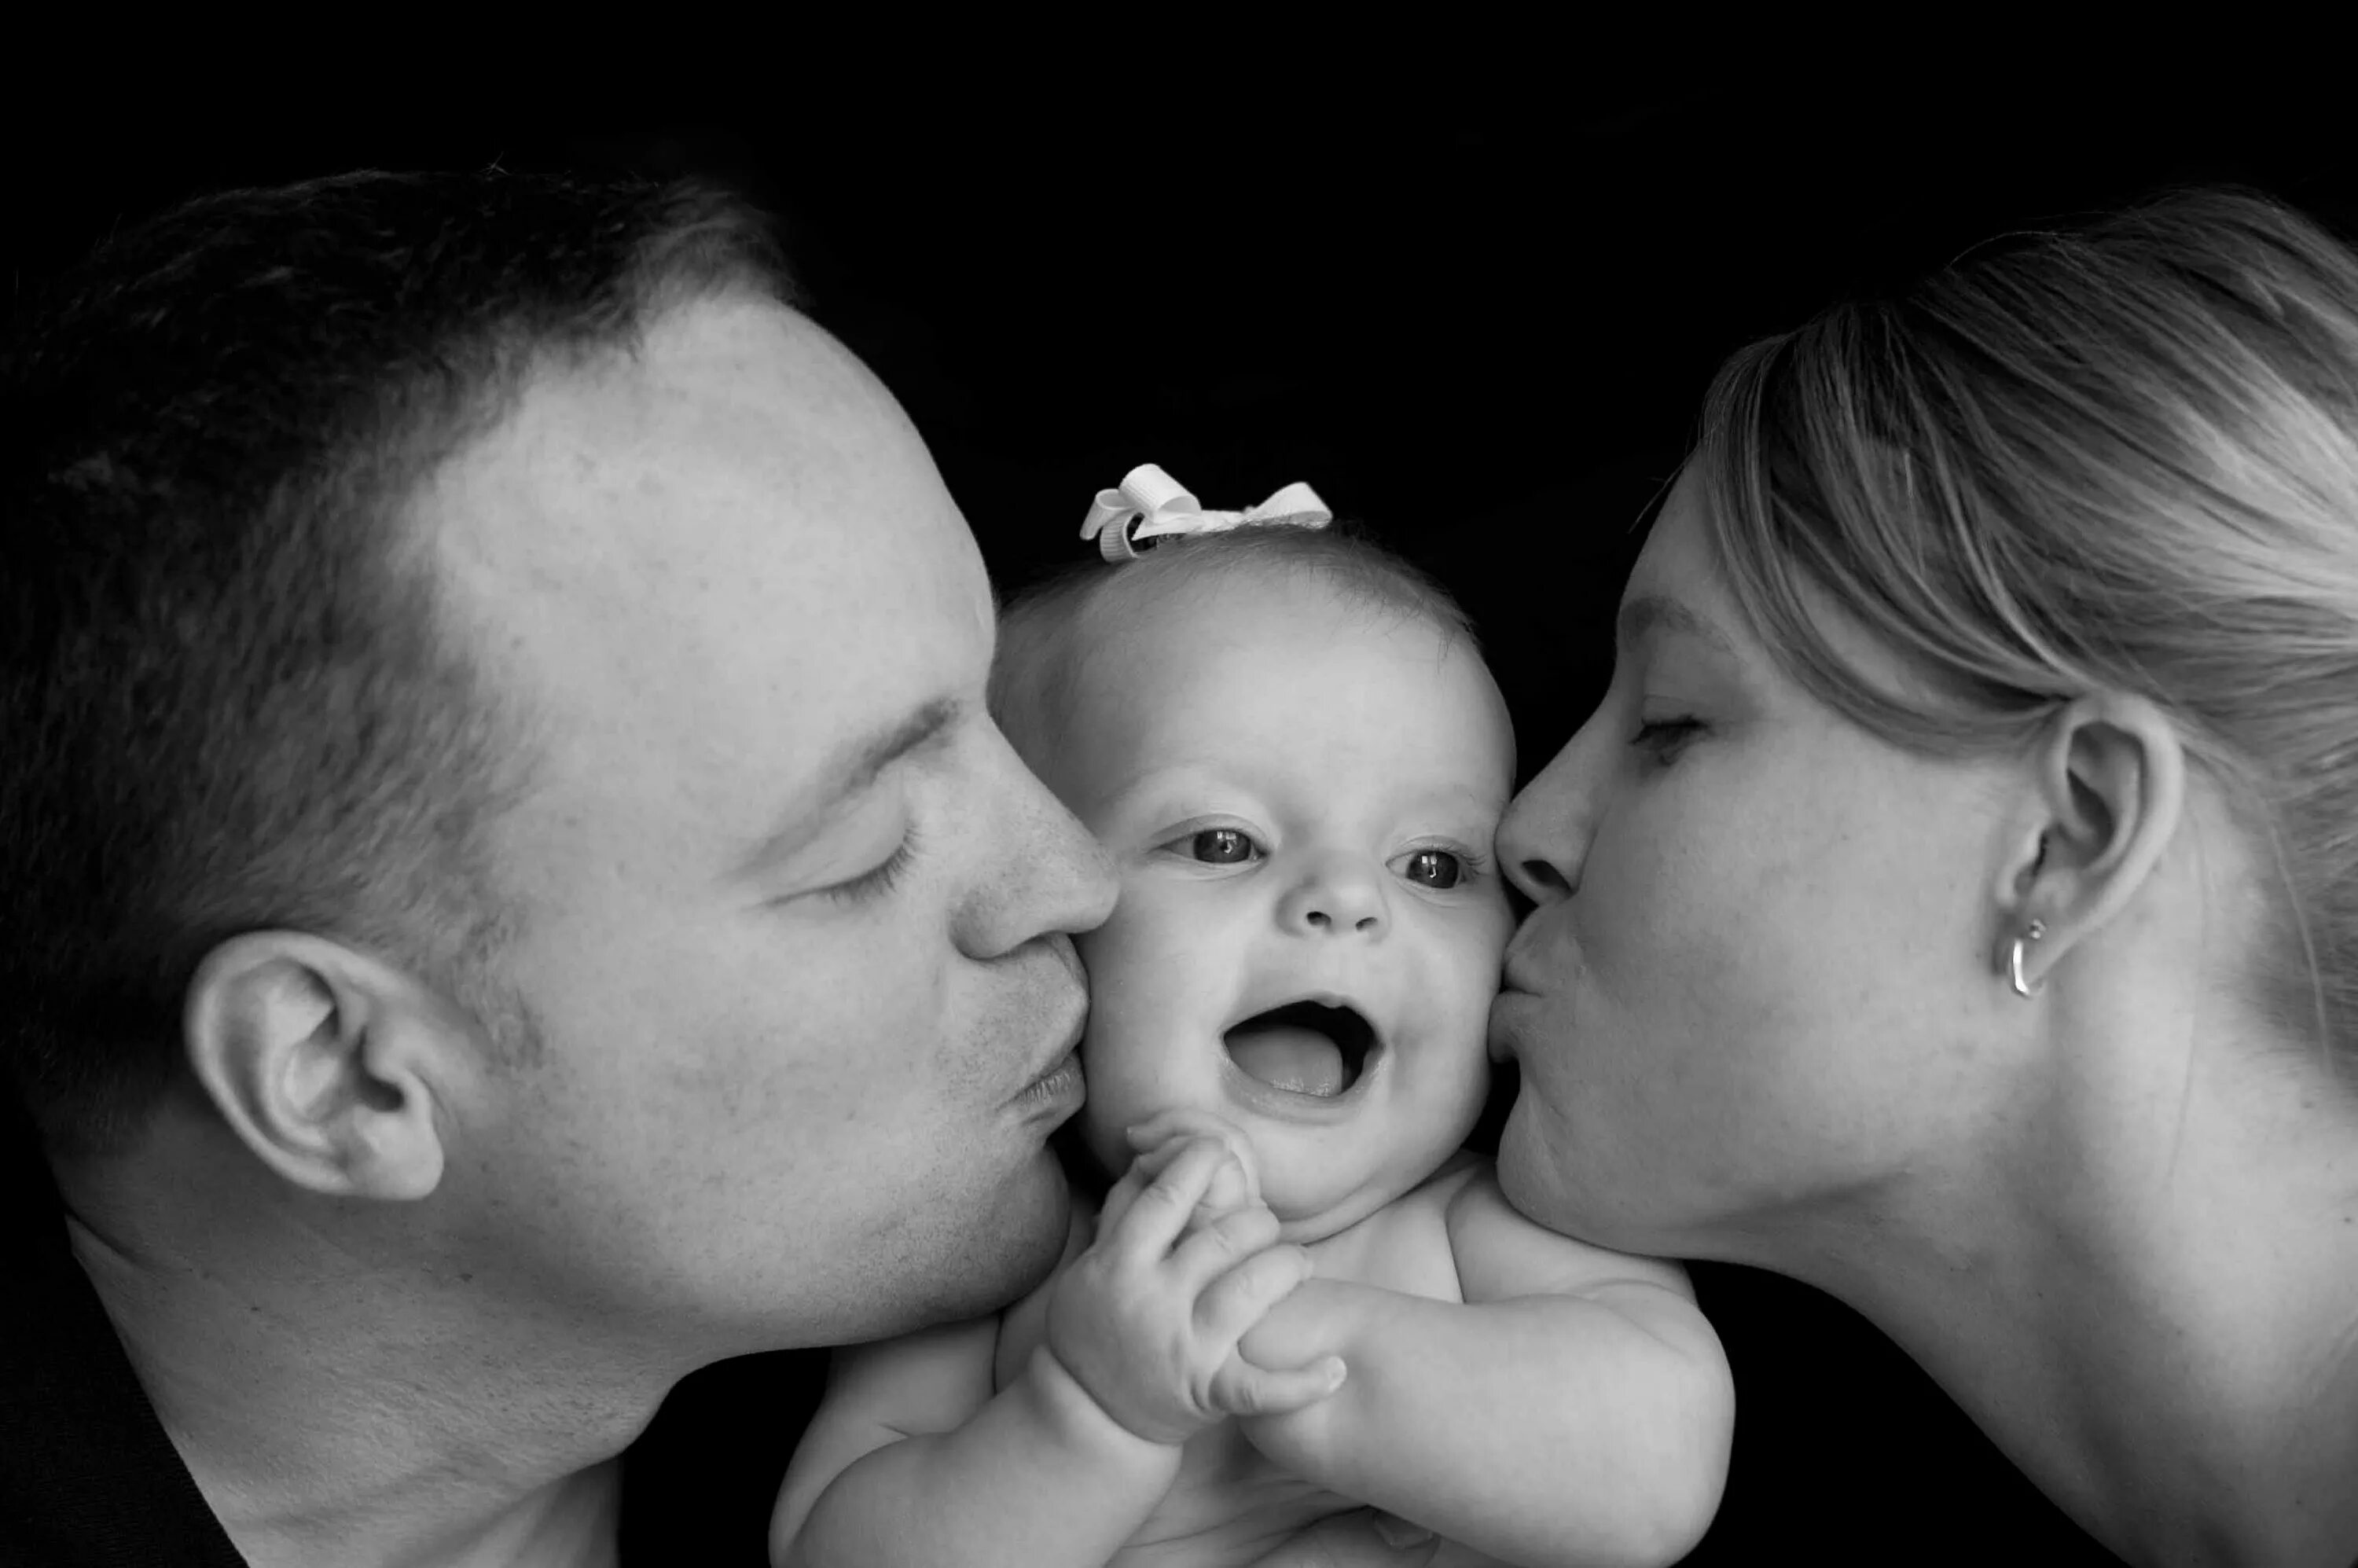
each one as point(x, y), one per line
point(2110, 786)
point(325, 1062)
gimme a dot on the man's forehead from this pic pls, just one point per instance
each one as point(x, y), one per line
point(727, 402)
point(740, 445)
point(733, 532)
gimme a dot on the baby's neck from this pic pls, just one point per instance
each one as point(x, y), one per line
point(1404, 1245)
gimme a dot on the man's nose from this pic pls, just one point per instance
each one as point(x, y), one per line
point(1051, 875)
point(1337, 895)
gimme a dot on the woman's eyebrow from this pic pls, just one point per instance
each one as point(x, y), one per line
point(1650, 613)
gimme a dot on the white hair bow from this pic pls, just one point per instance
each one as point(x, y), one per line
point(1150, 504)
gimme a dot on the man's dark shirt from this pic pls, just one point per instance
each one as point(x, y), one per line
point(87, 1476)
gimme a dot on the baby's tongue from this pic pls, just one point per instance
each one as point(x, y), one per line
point(1286, 1056)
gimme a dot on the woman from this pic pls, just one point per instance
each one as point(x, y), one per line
point(1953, 902)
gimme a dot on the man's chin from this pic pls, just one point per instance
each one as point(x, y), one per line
point(1007, 1250)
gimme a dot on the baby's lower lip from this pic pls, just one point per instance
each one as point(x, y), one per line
point(1286, 1104)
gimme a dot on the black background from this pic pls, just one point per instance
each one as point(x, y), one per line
point(1479, 322)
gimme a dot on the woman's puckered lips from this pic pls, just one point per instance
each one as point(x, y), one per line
point(1521, 971)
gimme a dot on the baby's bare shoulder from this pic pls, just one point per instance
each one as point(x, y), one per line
point(1404, 1246)
point(1427, 1203)
point(1501, 1252)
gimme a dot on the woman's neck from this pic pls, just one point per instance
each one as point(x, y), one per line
point(2146, 1291)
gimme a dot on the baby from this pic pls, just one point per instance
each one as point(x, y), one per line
point(1301, 1295)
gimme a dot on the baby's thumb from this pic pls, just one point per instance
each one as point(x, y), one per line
point(1230, 1190)
point(1241, 1388)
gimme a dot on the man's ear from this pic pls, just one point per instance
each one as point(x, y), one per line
point(2110, 788)
point(325, 1062)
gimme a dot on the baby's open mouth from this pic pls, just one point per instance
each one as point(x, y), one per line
point(1303, 1047)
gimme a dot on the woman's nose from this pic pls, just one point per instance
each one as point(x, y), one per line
point(1337, 897)
point(1543, 837)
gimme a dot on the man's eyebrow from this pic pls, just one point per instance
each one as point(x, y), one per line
point(1652, 613)
point(858, 765)
point(852, 770)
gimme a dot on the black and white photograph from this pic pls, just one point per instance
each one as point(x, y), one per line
point(1330, 821)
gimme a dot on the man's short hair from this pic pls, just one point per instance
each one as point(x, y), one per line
point(228, 699)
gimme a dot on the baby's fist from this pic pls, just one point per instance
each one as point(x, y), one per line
point(1147, 1320)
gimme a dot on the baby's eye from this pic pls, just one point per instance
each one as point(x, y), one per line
point(1223, 847)
point(1433, 869)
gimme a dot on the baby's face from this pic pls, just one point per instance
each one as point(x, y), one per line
point(1300, 792)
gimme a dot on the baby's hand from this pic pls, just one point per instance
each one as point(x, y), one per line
point(1159, 1140)
point(1147, 1320)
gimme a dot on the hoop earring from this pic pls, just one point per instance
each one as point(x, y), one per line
point(2030, 932)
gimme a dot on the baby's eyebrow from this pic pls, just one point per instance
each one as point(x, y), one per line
point(1650, 613)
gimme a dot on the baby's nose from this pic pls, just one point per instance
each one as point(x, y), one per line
point(1337, 899)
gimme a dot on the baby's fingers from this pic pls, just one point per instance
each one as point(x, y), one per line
point(1160, 1136)
point(1181, 1121)
point(1229, 1192)
point(1241, 1298)
point(1157, 1160)
point(1219, 1246)
point(1153, 1221)
point(1239, 1387)
point(1118, 1200)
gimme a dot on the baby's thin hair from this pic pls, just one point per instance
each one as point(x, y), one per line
point(1046, 631)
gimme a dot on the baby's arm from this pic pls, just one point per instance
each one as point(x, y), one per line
point(911, 1459)
point(1575, 1409)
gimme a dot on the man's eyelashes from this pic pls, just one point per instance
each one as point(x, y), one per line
point(875, 884)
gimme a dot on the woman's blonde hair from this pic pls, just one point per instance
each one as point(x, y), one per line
point(2122, 456)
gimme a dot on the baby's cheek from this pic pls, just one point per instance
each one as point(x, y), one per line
point(1133, 974)
point(1471, 957)
point(1132, 986)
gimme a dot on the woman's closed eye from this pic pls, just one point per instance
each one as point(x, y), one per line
point(1661, 740)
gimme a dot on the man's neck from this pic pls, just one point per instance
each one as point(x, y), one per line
point(332, 1407)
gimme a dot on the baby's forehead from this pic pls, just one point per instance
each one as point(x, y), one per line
point(1237, 644)
point(1287, 679)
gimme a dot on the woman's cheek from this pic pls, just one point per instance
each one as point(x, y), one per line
point(1624, 942)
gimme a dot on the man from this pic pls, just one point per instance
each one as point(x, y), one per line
point(512, 895)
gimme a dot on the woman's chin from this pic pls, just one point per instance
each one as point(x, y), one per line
point(1527, 1169)
point(1539, 1172)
